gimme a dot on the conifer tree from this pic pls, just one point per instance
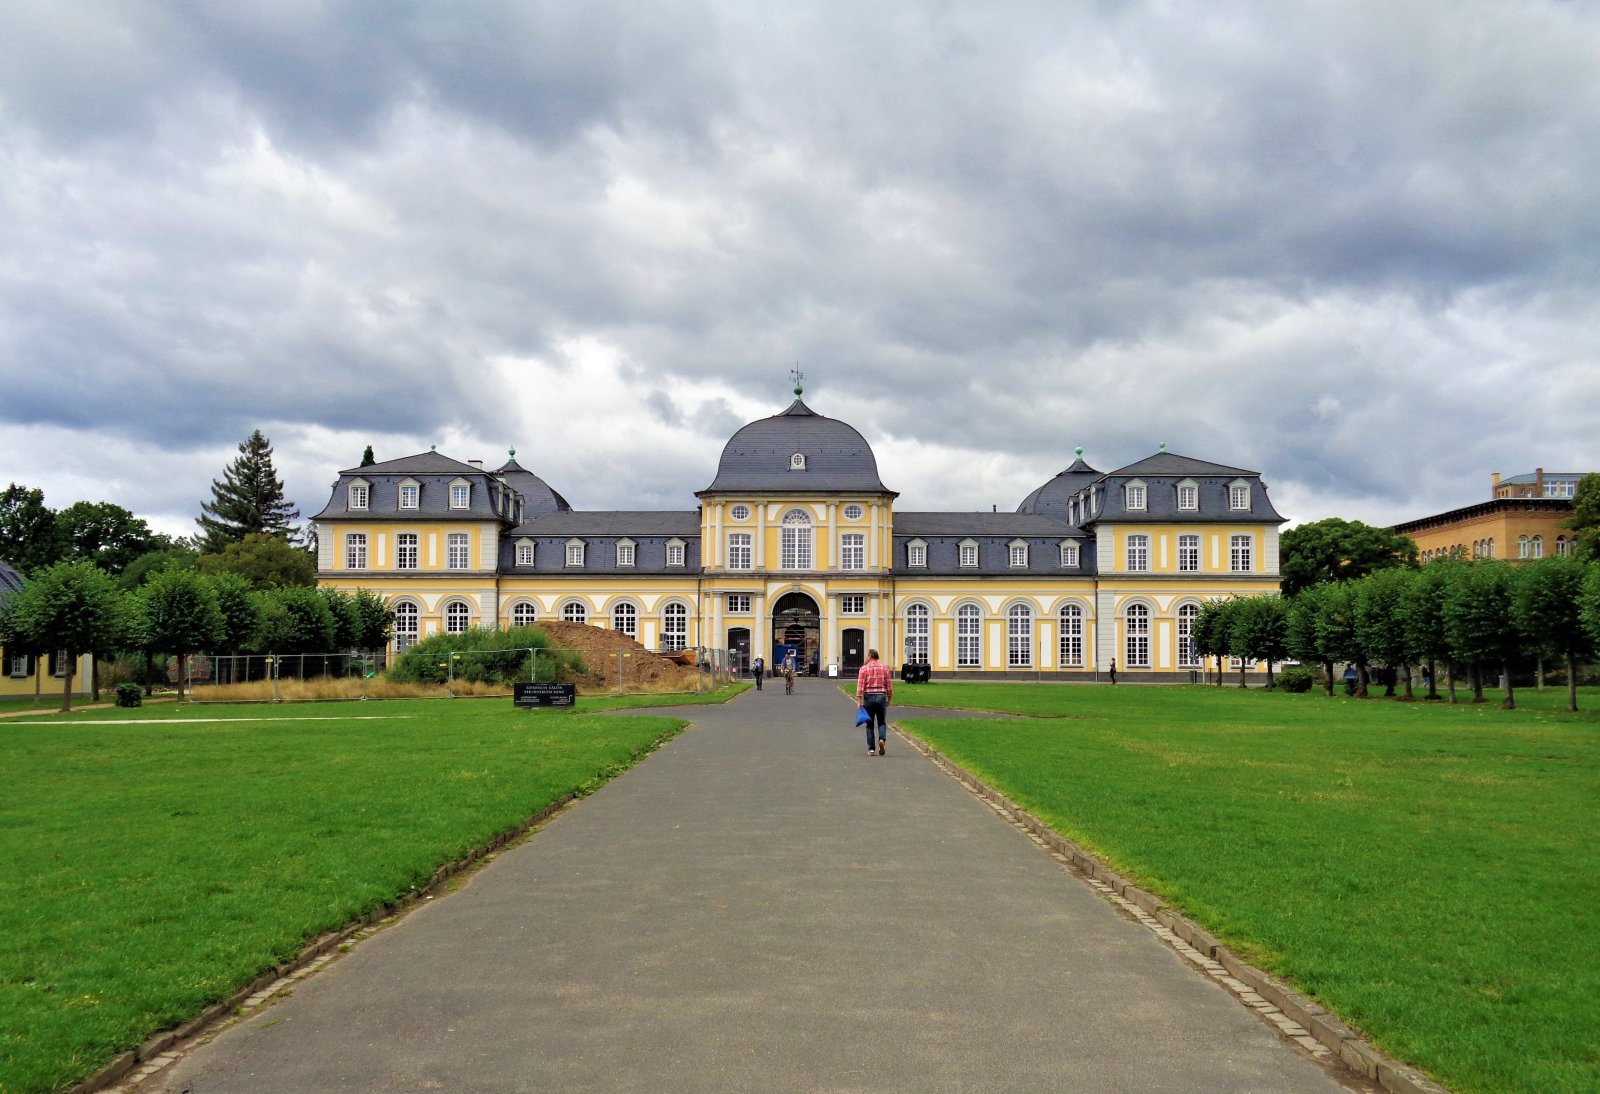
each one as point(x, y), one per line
point(248, 498)
point(367, 459)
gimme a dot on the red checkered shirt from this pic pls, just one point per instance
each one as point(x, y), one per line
point(874, 677)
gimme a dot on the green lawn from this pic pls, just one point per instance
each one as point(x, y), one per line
point(1430, 873)
point(151, 869)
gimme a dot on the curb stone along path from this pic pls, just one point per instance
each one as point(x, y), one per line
point(1298, 1018)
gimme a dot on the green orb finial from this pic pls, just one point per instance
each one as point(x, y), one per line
point(512, 452)
point(1079, 451)
point(799, 380)
point(1163, 446)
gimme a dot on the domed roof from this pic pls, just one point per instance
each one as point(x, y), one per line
point(833, 456)
point(537, 496)
point(1054, 498)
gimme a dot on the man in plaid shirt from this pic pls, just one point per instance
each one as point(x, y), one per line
point(874, 689)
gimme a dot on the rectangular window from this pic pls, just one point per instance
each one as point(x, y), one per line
point(1239, 496)
point(796, 547)
point(624, 554)
point(1239, 554)
point(853, 554)
point(574, 554)
point(524, 554)
point(969, 638)
point(853, 604)
point(405, 551)
point(739, 554)
point(1139, 552)
point(1069, 554)
point(1019, 639)
point(1071, 638)
point(917, 555)
point(739, 603)
point(358, 497)
point(1135, 497)
point(1019, 554)
point(1188, 497)
point(1189, 553)
point(969, 554)
point(674, 554)
point(408, 497)
point(18, 665)
point(458, 495)
point(455, 551)
point(355, 550)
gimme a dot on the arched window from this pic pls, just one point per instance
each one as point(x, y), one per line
point(675, 626)
point(405, 626)
point(575, 612)
point(1071, 636)
point(1561, 545)
point(1522, 546)
point(1537, 546)
point(1019, 636)
point(1186, 616)
point(796, 553)
point(917, 629)
point(1138, 636)
point(523, 614)
point(625, 618)
point(969, 637)
point(457, 618)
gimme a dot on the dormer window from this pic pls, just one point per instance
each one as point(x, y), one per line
point(1188, 496)
point(410, 494)
point(625, 552)
point(969, 552)
point(1069, 554)
point(574, 552)
point(675, 552)
point(359, 490)
point(1239, 495)
point(524, 552)
point(797, 462)
point(1133, 496)
point(1018, 553)
point(460, 494)
point(916, 553)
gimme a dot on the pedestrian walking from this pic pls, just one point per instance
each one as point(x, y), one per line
point(874, 689)
point(1113, 672)
point(760, 669)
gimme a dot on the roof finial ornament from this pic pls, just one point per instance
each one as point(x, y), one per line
point(799, 380)
point(512, 452)
point(1163, 446)
point(1079, 451)
point(433, 448)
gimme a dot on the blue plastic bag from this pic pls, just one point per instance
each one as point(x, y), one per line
point(862, 717)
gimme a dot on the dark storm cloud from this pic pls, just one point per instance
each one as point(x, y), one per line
point(1324, 243)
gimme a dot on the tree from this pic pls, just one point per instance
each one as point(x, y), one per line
point(1546, 602)
point(375, 620)
point(1479, 624)
point(1380, 622)
point(1336, 632)
point(152, 562)
point(249, 498)
point(105, 534)
point(367, 459)
point(29, 539)
point(1259, 630)
point(1589, 604)
point(72, 607)
point(240, 621)
point(181, 616)
point(1209, 632)
point(1339, 550)
point(1585, 518)
point(1303, 633)
point(1422, 615)
point(266, 561)
point(293, 620)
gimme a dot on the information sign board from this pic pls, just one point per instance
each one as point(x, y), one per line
point(544, 695)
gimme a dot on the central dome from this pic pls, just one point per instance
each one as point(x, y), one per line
point(798, 451)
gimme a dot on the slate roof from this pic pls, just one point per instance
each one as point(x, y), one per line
point(649, 532)
point(1532, 477)
point(10, 581)
point(838, 458)
point(631, 523)
point(433, 473)
point(423, 463)
point(1170, 463)
point(1161, 474)
point(1010, 525)
point(1054, 498)
point(537, 496)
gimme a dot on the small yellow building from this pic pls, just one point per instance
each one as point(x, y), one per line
point(1525, 518)
point(797, 545)
point(21, 672)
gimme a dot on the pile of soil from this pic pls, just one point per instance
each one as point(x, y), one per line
point(642, 670)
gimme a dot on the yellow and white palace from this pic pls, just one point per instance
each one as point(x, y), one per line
point(797, 543)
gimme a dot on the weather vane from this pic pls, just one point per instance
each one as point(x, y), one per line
point(799, 378)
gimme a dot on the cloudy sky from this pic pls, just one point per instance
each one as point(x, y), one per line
point(1355, 246)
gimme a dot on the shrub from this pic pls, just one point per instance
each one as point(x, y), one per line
point(483, 655)
point(129, 695)
point(1296, 678)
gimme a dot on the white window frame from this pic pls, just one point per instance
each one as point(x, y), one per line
point(969, 637)
point(918, 630)
point(1019, 637)
point(1135, 497)
point(575, 611)
point(968, 554)
point(1069, 554)
point(1070, 619)
point(853, 512)
point(917, 554)
point(625, 619)
point(798, 541)
point(627, 551)
point(355, 550)
point(457, 551)
point(1017, 554)
point(675, 552)
point(460, 494)
point(1138, 553)
point(1241, 553)
point(1188, 496)
point(574, 554)
point(407, 625)
point(1187, 658)
point(738, 603)
point(360, 494)
point(797, 462)
point(410, 491)
point(853, 551)
point(1189, 553)
point(457, 617)
point(675, 626)
point(1136, 634)
point(407, 551)
point(853, 604)
point(1239, 496)
point(17, 666)
point(524, 613)
point(525, 552)
point(1537, 544)
point(741, 555)
point(739, 512)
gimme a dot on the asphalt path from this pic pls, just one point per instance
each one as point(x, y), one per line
point(760, 905)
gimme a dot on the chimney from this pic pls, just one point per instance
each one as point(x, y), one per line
point(1494, 484)
point(476, 463)
point(1538, 482)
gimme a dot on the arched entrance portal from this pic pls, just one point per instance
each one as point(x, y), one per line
point(797, 626)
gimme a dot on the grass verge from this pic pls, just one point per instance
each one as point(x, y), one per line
point(1430, 873)
point(154, 867)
